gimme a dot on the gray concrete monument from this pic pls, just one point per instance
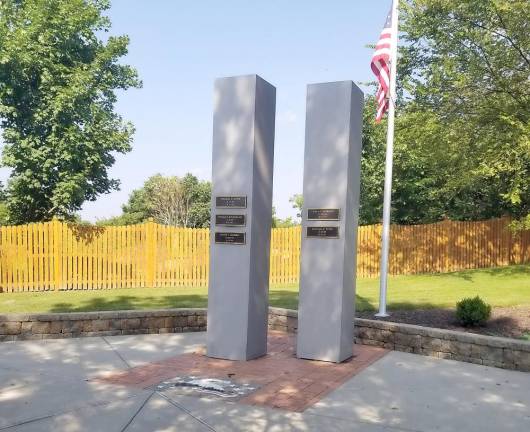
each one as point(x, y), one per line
point(242, 165)
point(329, 221)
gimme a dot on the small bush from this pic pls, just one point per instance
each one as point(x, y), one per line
point(473, 311)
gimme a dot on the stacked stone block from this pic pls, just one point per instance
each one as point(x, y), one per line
point(467, 347)
point(110, 323)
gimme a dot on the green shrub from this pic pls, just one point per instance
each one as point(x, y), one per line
point(473, 311)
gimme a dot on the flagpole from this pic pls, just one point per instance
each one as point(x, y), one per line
point(385, 238)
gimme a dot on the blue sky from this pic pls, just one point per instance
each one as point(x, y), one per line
point(180, 47)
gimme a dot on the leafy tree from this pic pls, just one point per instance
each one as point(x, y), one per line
point(427, 186)
point(169, 200)
point(297, 201)
point(282, 223)
point(462, 144)
point(521, 224)
point(275, 219)
point(4, 214)
point(285, 223)
point(136, 210)
point(372, 166)
point(416, 174)
point(58, 83)
point(468, 85)
point(179, 201)
point(200, 195)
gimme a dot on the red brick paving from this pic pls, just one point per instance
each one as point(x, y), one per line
point(285, 381)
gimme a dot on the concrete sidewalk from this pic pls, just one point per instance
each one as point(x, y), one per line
point(49, 385)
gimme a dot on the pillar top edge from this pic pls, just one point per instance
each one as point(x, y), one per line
point(255, 76)
point(354, 86)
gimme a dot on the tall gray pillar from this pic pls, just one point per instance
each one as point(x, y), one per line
point(242, 164)
point(329, 222)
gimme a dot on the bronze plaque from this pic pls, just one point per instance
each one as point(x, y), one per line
point(323, 214)
point(328, 232)
point(239, 202)
point(230, 220)
point(235, 238)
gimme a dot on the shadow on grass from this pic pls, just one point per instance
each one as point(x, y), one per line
point(132, 302)
point(283, 299)
point(515, 270)
point(468, 275)
point(362, 304)
point(289, 300)
point(404, 305)
point(277, 298)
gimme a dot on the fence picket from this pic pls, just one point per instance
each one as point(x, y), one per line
point(55, 255)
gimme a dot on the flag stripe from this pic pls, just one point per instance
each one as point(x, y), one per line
point(381, 67)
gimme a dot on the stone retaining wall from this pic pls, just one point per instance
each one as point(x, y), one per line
point(111, 323)
point(283, 320)
point(467, 347)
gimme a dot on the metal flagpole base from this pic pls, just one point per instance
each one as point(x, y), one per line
point(382, 315)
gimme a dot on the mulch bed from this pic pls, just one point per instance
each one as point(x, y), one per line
point(512, 322)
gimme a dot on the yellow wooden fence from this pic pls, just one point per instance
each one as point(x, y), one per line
point(56, 255)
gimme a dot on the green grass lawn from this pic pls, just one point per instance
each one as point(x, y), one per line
point(506, 286)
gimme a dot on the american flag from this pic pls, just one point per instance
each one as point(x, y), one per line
point(381, 67)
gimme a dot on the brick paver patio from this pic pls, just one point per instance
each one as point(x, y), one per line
point(284, 381)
